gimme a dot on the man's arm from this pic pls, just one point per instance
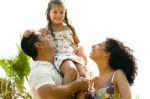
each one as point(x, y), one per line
point(58, 92)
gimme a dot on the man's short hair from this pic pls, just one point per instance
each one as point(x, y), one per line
point(28, 45)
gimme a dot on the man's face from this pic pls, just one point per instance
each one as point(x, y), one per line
point(47, 42)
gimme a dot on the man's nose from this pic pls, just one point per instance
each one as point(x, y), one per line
point(93, 46)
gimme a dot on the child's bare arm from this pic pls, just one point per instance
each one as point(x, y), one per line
point(76, 38)
point(80, 52)
point(43, 31)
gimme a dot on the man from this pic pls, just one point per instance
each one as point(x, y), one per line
point(44, 80)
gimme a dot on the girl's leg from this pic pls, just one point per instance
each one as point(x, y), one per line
point(68, 69)
point(83, 72)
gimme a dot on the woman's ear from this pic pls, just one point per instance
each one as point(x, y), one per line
point(38, 45)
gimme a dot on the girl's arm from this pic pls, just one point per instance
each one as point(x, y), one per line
point(76, 38)
point(28, 32)
point(123, 85)
point(80, 52)
point(43, 31)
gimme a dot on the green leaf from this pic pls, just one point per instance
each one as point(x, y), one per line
point(17, 68)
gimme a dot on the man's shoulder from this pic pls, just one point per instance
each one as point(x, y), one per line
point(41, 63)
point(43, 73)
point(41, 67)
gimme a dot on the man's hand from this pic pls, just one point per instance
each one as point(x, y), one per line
point(84, 83)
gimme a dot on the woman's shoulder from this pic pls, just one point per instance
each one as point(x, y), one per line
point(120, 75)
point(119, 72)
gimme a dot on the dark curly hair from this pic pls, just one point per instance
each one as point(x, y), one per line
point(121, 58)
point(66, 20)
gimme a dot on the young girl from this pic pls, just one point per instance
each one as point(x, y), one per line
point(67, 60)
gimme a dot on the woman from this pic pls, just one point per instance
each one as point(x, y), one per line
point(117, 70)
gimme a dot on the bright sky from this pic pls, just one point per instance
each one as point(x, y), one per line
point(94, 20)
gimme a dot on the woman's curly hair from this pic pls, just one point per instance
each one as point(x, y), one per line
point(122, 58)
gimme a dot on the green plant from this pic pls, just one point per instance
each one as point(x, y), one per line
point(137, 97)
point(17, 69)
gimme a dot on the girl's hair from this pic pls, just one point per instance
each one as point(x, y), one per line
point(122, 58)
point(66, 20)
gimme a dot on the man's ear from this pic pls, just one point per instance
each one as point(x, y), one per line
point(38, 45)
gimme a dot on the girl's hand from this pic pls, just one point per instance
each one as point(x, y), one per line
point(28, 32)
point(80, 52)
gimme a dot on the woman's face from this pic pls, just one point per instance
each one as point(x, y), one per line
point(98, 51)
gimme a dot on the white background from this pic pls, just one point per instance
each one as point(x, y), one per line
point(94, 20)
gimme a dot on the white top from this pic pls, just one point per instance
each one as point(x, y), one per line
point(64, 40)
point(64, 50)
point(42, 73)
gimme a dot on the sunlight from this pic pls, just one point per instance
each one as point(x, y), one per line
point(2, 72)
point(94, 20)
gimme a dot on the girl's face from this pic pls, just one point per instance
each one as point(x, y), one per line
point(57, 14)
point(98, 51)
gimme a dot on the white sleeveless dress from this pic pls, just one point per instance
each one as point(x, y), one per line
point(63, 41)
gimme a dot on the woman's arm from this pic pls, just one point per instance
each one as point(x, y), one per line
point(123, 85)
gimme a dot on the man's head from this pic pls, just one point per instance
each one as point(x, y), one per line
point(37, 44)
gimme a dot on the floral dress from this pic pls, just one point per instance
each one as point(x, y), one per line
point(64, 50)
point(108, 91)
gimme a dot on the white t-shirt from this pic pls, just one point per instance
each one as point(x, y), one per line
point(42, 73)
